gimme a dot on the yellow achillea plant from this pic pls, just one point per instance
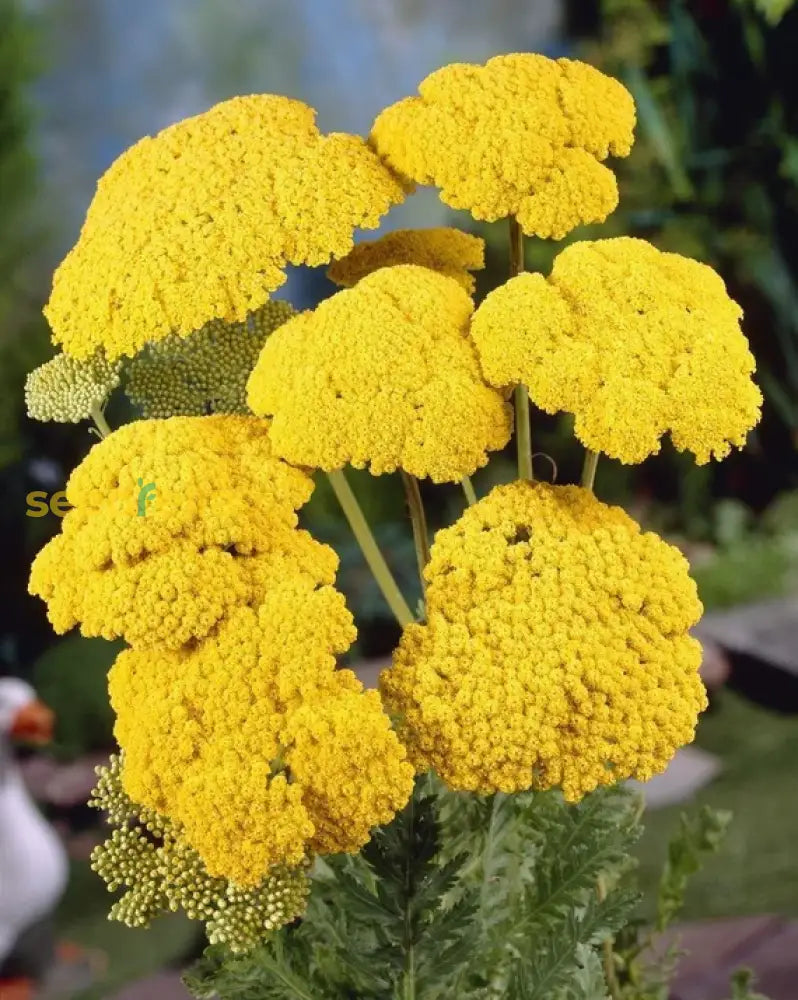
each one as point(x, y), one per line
point(446, 250)
point(199, 223)
point(377, 843)
point(382, 375)
point(255, 743)
point(521, 136)
point(555, 652)
point(215, 530)
point(635, 342)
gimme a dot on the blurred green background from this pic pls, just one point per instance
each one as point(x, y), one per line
point(713, 174)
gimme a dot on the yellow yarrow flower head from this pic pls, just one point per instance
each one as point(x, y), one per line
point(199, 222)
point(382, 375)
point(522, 135)
point(205, 372)
point(255, 743)
point(445, 250)
point(175, 523)
point(66, 390)
point(635, 342)
point(148, 857)
point(556, 651)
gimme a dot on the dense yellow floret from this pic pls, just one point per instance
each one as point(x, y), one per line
point(205, 372)
point(522, 135)
point(147, 856)
point(556, 651)
point(382, 375)
point(175, 523)
point(67, 390)
point(254, 743)
point(199, 222)
point(635, 342)
point(445, 250)
point(350, 764)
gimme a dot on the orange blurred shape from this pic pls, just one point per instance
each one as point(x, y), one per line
point(33, 723)
point(16, 989)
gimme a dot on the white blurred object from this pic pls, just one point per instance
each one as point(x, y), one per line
point(767, 630)
point(33, 863)
point(689, 771)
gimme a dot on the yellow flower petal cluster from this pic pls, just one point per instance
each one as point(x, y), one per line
point(445, 250)
point(199, 222)
point(205, 372)
point(635, 342)
point(148, 857)
point(522, 135)
point(382, 375)
point(556, 651)
point(254, 742)
point(175, 523)
point(66, 390)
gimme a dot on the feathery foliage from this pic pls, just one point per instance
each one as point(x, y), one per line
point(502, 897)
point(478, 898)
point(644, 971)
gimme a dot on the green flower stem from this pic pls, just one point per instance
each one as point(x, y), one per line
point(468, 489)
point(419, 521)
point(608, 951)
point(516, 247)
point(523, 433)
point(589, 469)
point(369, 547)
point(409, 979)
point(100, 422)
point(523, 429)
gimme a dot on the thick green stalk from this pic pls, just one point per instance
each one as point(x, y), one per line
point(468, 489)
point(589, 469)
point(100, 422)
point(608, 952)
point(523, 432)
point(419, 521)
point(516, 247)
point(409, 978)
point(523, 429)
point(368, 545)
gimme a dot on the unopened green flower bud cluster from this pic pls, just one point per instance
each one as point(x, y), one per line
point(205, 372)
point(67, 390)
point(147, 856)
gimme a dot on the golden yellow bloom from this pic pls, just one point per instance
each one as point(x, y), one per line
point(556, 651)
point(636, 343)
point(382, 375)
point(176, 522)
point(254, 743)
point(350, 764)
point(522, 135)
point(447, 251)
point(199, 222)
